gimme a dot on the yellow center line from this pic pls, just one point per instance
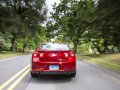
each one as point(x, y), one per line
point(18, 80)
point(11, 79)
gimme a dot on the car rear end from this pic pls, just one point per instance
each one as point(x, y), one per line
point(56, 60)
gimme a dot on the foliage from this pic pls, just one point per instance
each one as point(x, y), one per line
point(20, 20)
point(87, 21)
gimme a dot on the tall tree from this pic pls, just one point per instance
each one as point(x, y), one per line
point(72, 18)
point(20, 17)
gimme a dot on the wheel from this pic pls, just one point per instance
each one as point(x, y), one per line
point(33, 75)
point(73, 74)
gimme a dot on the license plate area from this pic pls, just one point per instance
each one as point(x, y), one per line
point(54, 67)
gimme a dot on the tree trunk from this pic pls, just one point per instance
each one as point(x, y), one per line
point(24, 48)
point(75, 46)
point(106, 49)
point(112, 50)
point(13, 40)
point(97, 47)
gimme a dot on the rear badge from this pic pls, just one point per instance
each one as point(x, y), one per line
point(53, 55)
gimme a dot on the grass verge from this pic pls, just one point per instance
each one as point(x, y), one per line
point(111, 61)
point(8, 54)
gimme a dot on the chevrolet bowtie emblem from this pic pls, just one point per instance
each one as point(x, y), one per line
point(53, 55)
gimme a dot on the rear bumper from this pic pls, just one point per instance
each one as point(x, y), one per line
point(44, 67)
point(53, 72)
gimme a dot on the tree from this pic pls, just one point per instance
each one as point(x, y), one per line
point(16, 18)
point(71, 19)
point(107, 24)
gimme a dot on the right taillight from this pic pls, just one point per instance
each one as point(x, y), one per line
point(72, 57)
point(71, 54)
point(66, 55)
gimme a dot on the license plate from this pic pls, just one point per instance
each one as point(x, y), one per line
point(53, 67)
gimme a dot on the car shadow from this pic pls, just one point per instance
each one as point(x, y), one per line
point(51, 79)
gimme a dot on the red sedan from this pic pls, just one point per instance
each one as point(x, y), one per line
point(53, 58)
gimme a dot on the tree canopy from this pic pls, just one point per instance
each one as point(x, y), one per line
point(83, 23)
point(95, 22)
point(20, 20)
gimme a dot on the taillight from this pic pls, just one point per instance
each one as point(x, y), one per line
point(41, 55)
point(72, 57)
point(35, 57)
point(72, 54)
point(66, 55)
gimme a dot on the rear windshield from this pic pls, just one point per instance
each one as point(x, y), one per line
point(54, 46)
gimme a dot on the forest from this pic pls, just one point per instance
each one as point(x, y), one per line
point(86, 25)
point(20, 24)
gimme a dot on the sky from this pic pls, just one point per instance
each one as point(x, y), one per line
point(49, 4)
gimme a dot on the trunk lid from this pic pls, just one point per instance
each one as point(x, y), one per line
point(54, 56)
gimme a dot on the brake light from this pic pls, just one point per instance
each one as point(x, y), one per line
point(72, 57)
point(72, 54)
point(66, 55)
point(34, 54)
point(41, 55)
point(35, 57)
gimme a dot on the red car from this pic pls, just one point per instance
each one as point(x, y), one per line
point(53, 58)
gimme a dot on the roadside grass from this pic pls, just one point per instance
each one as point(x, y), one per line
point(111, 61)
point(82, 57)
point(8, 54)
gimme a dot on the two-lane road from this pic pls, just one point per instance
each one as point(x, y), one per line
point(14, 74)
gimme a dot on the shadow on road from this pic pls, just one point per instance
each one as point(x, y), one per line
point(49, 79)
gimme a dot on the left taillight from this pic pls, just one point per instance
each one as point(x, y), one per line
point(35, 57)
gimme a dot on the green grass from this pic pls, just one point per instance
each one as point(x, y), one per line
point(107, 60)
point(8, 54)
point(82, 57)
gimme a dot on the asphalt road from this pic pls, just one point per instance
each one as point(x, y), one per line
point(14, 75)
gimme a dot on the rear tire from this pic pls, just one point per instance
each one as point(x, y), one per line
point(33, 75)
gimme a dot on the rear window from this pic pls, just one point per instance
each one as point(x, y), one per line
point(54, 46)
